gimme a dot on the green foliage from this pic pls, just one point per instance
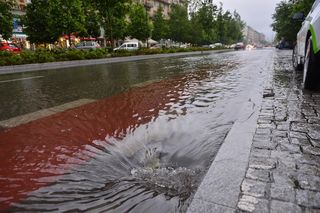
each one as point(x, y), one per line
point(179, 24)
point(66, 17)
point(46, 55)
point(113, 17)
point(36, 23)
point(160, 30)
point(139, 26)
point(208, 24)
point(6, 18)
point(92, 20)
point(283, 24)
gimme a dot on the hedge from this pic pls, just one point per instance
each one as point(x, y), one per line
point(45, 55)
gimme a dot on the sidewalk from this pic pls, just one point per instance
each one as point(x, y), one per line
point(283, 173)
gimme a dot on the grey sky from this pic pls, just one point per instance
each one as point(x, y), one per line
point(256, 13)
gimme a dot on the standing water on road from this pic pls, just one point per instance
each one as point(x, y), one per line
point(143, 142)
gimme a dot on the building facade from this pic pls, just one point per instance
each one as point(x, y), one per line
point(251, 36)
point(153, 5)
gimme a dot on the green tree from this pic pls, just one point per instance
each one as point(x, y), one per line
point(179, 24)
point(160, 26)
point(139, 26)
point(6, 18)
point(203, 22)
point(283, 24)
point(66, 17)
point(220, 25)
point(36, 23)
point(92, 20)
point(113, 17)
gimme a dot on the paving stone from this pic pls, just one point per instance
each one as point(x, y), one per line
point(314, 131)
point(309, 169)
point(314, 120)
point(291, 148)
point(262, 163)
point(284, 207)
point(309, 159)
point(280, 140)
point(254, 188)
point(287, 164)
point(257, 152)
point(266, 126)
point(279, 133)
point(284, 126)
point(265, 145)
point(264, 121)
point(260, 131)
point(258, 174)
point(285, 178)
point(309, 210)
point(310, 182)
point(283, 192)
point(300, 142)
point(253, 204)
point(311, 150)
point(261, 138)
point(299, 127)
point(309, 112)
point(315, 143)
point(298, 135)
point(280, 116)
point(308, 199)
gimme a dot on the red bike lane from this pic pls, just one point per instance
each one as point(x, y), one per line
point(34, 154)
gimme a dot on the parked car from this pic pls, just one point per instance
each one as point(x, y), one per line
point(306, 54)
point(215, 45)
point(87, 45)
point(239, 46)
point(156, 46)
point(130, 46)
point(8, 46)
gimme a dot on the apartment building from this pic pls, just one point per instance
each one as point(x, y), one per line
point(251, 36)
point(153, 5)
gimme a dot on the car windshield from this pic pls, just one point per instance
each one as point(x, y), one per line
point(12, 45)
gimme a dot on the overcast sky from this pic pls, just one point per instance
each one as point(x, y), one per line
point(256, 13)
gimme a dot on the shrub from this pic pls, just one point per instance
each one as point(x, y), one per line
point(59, 54)
point(14, 60)
point(28, 57)
point(4, 54)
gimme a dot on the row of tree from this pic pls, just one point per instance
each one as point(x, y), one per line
point(284, 23)
point(46, 20)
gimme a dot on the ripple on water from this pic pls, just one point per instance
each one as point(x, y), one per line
point(153, 166)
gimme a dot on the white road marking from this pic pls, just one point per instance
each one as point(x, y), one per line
point(23, 119)
point(20, 79)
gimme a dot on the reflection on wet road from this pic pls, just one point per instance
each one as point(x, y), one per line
point(143, 146)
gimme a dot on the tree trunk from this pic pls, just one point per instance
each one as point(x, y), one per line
point(69, 35)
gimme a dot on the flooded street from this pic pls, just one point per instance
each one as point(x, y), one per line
point(125, 137)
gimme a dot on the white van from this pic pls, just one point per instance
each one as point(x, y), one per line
point(130, 46)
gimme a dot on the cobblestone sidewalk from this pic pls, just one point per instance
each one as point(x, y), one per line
point(284, 167)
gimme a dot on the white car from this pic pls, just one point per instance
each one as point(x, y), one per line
point(86, 45)
point(306, 54)
point(129, 46)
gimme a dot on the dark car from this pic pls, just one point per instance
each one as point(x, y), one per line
point(239, 46)
point(10, 47)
